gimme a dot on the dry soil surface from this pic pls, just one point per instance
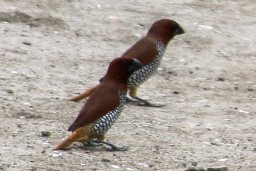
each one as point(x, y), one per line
point(52, 50)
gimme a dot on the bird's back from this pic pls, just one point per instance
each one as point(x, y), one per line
point(144, 50)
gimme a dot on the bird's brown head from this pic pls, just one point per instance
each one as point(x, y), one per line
point(165, 29)
point(121, 68)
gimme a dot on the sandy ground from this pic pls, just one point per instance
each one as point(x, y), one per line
point(52, 50)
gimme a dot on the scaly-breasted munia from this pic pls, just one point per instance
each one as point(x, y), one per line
point(104, 105)
point(149, 51)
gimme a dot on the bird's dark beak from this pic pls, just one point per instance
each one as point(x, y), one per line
point(135, 66)
point(180, 31)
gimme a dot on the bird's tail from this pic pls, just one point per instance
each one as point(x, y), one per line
point(85, 94)
point(69, 140)
point(81, 134)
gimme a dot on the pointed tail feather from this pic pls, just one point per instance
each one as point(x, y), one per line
point(69, 140)
point(85, 94)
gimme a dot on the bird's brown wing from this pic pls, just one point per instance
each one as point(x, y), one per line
point(103, 100)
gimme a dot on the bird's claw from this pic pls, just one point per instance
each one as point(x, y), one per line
point(113, 147)
point(92, 144)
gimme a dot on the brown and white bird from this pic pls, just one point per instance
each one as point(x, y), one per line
point(149, 51)
point(104, 105)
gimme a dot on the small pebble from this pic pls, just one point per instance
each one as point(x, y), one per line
point(220, 79)
point(142, 25)
point(214, 143)
point(251, 89)
point(9, 91)
point(176, 92)
point(195, 169)
point(172, 73)
point(19, 125)
point(218, 169)
point(194, 163)
point(115, 166)
point(56, 154)
point(45, 133)
point(236, 88)
point(105, 160)
point(26, 43)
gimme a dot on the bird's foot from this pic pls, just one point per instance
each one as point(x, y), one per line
point(142, 102)
point(113, 147)
point(92, 144)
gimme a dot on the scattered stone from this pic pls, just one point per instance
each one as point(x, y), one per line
point(242, 111)
point(214, 143)
point(116, 166)
point(176, 92)
point(183, 164)
point(19, 125)
point(9, 91)
point(105, 160)
point(26, 43)
point(194, 163)
point(142, 25)
point(253, 88)
point(45, 133)
point(195, 169)
point(151, 165)
point(172, 73)
point(218, 169)
point(56, 154)
point(220, 79)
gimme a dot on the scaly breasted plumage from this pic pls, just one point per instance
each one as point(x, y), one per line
point(104, 105)
point(149, 51)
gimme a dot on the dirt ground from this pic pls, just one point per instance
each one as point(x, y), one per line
point(51, 50)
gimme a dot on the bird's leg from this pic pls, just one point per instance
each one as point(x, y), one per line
point(91, 144)
point(133, 94)
point(83, 95)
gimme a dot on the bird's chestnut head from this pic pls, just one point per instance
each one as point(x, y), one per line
point(165, 29)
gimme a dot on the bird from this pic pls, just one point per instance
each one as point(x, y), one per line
point(149, 51)
point(103, 107)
